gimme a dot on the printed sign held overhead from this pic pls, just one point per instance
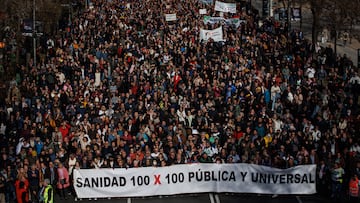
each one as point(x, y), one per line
point(215, 34)
point(170, 17)
point(202, 11)
point(225, 7)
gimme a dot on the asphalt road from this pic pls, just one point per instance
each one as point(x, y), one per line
point(212, 198)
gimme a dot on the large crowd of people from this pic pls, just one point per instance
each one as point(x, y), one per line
point(121, 87)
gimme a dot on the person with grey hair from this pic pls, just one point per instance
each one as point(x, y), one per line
point(47, 192)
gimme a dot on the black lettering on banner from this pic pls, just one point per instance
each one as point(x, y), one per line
point(106, 181)
point(213, 176)
point(140, 180)
point(95, 182)
point(289, 178)
point(224, 175)
point(122, 181)
point(232, 176)
point(304, 179)
point(312, 180)
point(254, 177)
point(114, 182)
point(181, 177)
point(78, 182)
point(207, 176)
point(282, 179)
point(175, 178)
point(243, 175)
point(198, 175)
point(275, 178)
point(101, 182)
point(191, 176)
point(262, 178)
point(86, 183)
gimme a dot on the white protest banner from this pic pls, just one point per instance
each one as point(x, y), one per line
point(202, 11)
point(215, 34)
point(194, 178)
point(229, 22)
point(207, 1)
point(212, 20)
point(234, 21)
point(225, 7)
point(170, 17)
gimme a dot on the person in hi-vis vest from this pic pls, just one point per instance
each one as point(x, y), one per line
point(48, 192)
point(337, 176)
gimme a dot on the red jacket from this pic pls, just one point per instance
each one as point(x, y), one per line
point(22, 189)
point(64, 131)
point(354, 187)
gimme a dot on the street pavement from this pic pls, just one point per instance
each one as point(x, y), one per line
point(211, 198)
point(351, 49)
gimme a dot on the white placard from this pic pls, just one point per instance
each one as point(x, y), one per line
point(170, 17)
point(215, 34)
point(230, 21)
point(202, 11)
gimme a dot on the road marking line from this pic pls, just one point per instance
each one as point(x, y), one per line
point(128, 200)
point(298, 199)
point(211, 196)
point(217, 199)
